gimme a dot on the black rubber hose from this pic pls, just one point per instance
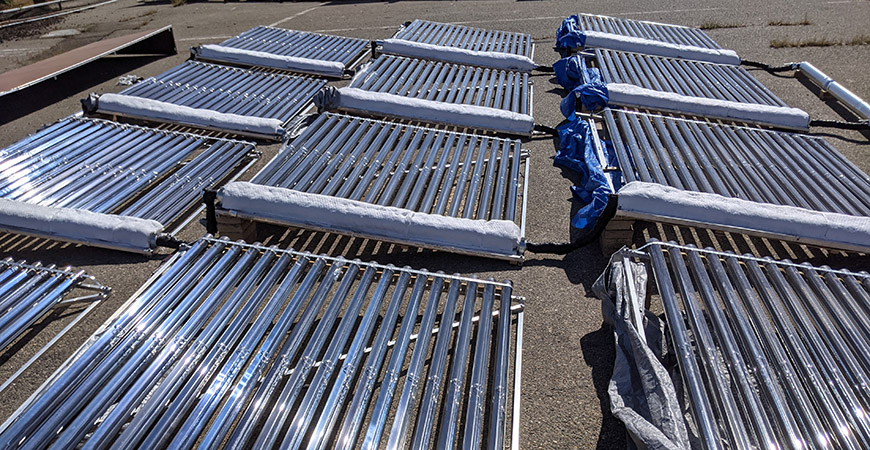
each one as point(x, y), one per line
point(545, 129)
point(589, 237)
point(168, 241)
point(772, 69)
point(545, 69)
point(862, 125)
point(209, 197)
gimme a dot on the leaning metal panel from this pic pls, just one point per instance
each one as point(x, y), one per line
point(301, 44)
point(102, 166)
point(393, 164)
point(468, 38)
point(445, 82)
point(30, 291)
point(230, 90)
point(747, 163)
point(772, 354)
point(692, 78)
point(674, 34)
point(241, 346)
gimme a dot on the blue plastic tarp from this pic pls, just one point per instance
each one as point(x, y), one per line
point(569, 71)
point(569, 35)
point(584, 82)
point(577, 152)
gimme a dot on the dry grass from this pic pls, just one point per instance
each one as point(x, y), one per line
point(783, 23)
point(718, 25)
point(863, 39)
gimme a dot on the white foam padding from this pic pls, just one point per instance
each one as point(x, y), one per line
point(128, 105)
point(263, 59)
point(470, 116)
point(495, 60)
point(658, 48)
point(287, 206)
point(106, 230)
point(777, 116)
point(838, 230)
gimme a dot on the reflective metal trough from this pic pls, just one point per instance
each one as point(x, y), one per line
point(241, 346)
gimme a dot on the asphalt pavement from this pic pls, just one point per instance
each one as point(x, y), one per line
point(568, 353)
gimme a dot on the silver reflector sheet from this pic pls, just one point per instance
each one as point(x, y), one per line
point(691, 78)
point(230, 90)
point(301, 44)
point(771, 353)
point(673, 34)
point(449, 83)
point(747, 163)
point(105, 167)
point(242, 346)
point(468, 38)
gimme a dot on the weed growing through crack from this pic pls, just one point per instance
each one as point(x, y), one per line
point(863, 39)
point(718, 26)
point(783, 23)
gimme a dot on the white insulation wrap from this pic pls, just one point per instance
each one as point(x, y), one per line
point(496, 60)
point(291, 207)
point(470, 116)
point(777, 116)
point(143, 108)
point(657, 48)
point(263, 59)
point(102, 230)
point(803, 225)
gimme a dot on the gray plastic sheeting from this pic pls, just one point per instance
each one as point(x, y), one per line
point(641, 393)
